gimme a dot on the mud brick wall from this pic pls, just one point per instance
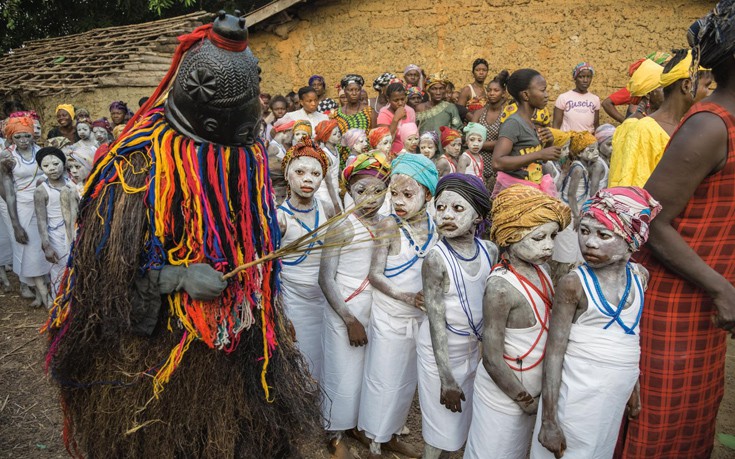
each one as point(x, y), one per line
point(369, 37)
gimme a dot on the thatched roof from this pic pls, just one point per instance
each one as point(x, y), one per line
point(136, 55)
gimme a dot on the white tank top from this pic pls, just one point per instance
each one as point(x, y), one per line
point(53, 207)
point(475, 166)
point(302, 268)
point(354, 261)
point(528, 343)
point(404, 270)
point(25, 175)
point(583, 188)
point(600, 313)
point(463, 301)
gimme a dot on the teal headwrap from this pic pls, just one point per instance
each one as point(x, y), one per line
point(418, 167)
point(476, 128)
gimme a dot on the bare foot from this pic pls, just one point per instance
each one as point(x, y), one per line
point(339, 449)
point(26, 292)
point(36, 303)
point(405, 430)
point(358, 435)
point(401, 447)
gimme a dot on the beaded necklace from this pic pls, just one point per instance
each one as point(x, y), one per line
point(459, 283)
point(419, 251)
point(606, 308)
point(289, 210)
point(545, 295)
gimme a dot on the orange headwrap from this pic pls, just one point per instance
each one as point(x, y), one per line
point(324, 130)
point(377, 134)
point(305, 147)
point(449, 135)
point(18, 125)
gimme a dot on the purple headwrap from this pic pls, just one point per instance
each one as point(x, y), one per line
point(604, 132)
point(313, 78)
point(119, 105)
point(351, 137)
point(469, 187)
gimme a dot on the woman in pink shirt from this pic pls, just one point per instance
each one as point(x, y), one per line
point(396, 113)
point(578, 109)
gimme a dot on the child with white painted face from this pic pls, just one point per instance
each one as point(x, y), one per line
point(454, 275)
point(516, 305)
point(405, 237)
point(87, 145)
point(281, 138)
point(451, 141)
point(343, 278)
point(471, 162)
point(304, 166)
point(356, 141)
point(381, 140)
point(409, 135)
point(429, 145)
point(71, 194)
point(301, 130)
point(47, 202)
point(328, 136)
point(574, 191)
point(592, 357)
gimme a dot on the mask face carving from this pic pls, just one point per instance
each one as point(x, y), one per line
point(216, 95)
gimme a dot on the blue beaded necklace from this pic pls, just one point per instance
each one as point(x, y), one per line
point(289, 210)
point(419, 251)
point(606, 308)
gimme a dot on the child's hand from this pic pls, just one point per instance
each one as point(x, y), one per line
point(633, 407)
point(49, 253)
point(452, 398)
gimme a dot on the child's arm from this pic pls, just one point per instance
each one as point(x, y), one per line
point(10, 199)
point(499, 298)
point(442, 166)
point(566, 302)
point(434, 277)
point(596, 171)
point(387, 234)
point(575, 175)
point(463, 163)
point(40, 201)
point(338, 236)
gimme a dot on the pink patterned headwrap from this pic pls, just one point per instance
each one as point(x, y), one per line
point(625, 210)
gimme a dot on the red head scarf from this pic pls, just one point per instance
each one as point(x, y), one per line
point(306, 147)
point(377, 134)
point(324, 130)
point(449, 135)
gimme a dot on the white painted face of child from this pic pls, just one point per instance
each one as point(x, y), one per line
point(299, 135)
point(368, 192)
point(537, 246)
point(411, 143)
point(335, 137)
point(408, 196)
point(100, 135)
point(454, 148)
point(474, 143)
point(22, 140)
point(606, 149)
point(84, 131)
point(385, 144)
point(361, 145)
point(591, 153)
point(428, 148)
point(286, 137)
point(304, 176)
point(454, 215)
point(36, 129)
point(601, 246)
point(78, 172)
point(564, 152)
point(52, 166)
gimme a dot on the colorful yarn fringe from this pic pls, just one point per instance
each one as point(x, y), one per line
point(206, 204)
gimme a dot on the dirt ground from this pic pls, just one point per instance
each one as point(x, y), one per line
point(30, 419)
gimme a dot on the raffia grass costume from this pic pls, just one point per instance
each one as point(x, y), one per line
point(210, 379)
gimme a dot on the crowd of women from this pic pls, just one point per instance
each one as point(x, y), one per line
point(432, 227)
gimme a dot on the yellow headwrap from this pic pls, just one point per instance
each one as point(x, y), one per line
point(680, 71)
point(560, 137)
point(541, 117)
point(68, 108)
point(436, 78)
point(645, 79)
point(580, 141)
point(518, 209)
point(302, 125)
